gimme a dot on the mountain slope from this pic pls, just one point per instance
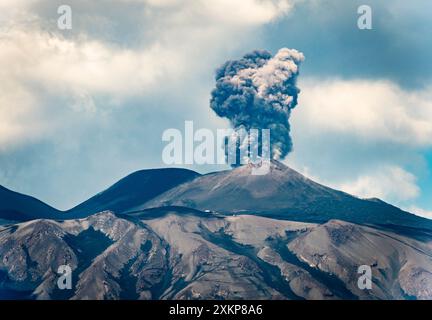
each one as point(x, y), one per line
point(282, 193)
point(19, 207)
point(127, 193)
point(133, 190)
point(194, 255)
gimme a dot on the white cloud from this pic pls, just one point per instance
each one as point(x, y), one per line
point(420, 212)
point(360, 135)
point(175, 39)
point(390, 183)
point(61, 65)
point(375, 111)
point(14, 122)
point(245, 12)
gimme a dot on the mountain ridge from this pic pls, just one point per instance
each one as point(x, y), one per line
point(224, 235)
point(182, 256)
point(282, 193)
point(137, 186)
point(18, 206)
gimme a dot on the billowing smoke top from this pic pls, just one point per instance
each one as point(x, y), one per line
point(258, 92)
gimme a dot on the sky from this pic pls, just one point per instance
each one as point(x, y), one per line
point(82, 108)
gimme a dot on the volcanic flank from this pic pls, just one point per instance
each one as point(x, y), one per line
point(224, 235)
point(282, 193)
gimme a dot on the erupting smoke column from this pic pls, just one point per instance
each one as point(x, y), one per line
point(258, 92)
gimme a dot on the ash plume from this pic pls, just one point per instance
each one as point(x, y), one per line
point(259, 91)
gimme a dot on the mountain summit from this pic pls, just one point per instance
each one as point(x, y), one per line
point(133, 190)
point(224, 235)
point(282, 193)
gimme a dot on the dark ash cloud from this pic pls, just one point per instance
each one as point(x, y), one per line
point(258, 92)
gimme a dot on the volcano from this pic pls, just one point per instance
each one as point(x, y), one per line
point(283, 193)
point(176, 234)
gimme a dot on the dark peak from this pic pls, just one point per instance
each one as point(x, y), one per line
point(143, 176)
point(132, 190)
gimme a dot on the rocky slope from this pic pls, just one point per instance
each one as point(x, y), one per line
point(177, 253)
point(174, 234)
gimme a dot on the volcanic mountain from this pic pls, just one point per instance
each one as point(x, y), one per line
point(189, 254)
point(175, 234)
point(283, 193)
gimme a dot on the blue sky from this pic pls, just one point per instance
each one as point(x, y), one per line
point(81, 108)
